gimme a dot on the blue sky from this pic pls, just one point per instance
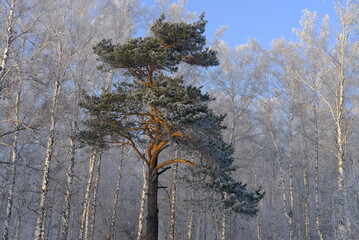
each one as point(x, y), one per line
point(264, 20)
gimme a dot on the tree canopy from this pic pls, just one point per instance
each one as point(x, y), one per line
point(154, 109)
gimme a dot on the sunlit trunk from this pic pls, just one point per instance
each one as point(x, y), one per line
point(8, 40)
point(111, 232)
point(85, 209)
point(173, 202)
point(40, 223)
point(94, 200)
point(141, 214)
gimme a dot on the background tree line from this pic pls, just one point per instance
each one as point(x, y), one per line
point(291, 115)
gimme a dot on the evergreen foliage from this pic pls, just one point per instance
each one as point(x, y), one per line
point(155, 109)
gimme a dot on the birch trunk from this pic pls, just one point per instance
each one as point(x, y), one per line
point(17, 227)
point(143, 200)
point(316, 172)
point(13, 171)
point(70, 177)
point(223, 226)
point(85, 208)
point(190, 225)
point(259, 214)
point(282, 181)
point(273, 213)
point(71, 163)
point(94, 200)
point(40, 223)
point(111, 232)
point(8, 41)
point(173, 202)
point(291, 194)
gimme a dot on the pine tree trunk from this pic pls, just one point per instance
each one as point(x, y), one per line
point(8, 40)
point(142, 205)
point(173, 202)
point(40, 223)
point(111, 232)
point(152, 208)
point(94, 200)
point(85, 208)
point(13, 173)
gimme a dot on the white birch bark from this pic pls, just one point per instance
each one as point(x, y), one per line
point(13, 171)
point(141, 214)
point(85, 209)
point(173, 201)
point(273, 212)
point(94, 200)
point(17, 227)
point(282, 180)
point(40, 223)
point(223, 226)
point(111, 232)
point(8, 39)
point(316, 172)
point(190, 225)
point(70, 171)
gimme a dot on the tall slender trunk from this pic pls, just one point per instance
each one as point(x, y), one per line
point(190, 225)
point(70, 164)
point(111, 232)
point(306, 188)
point(70, 177)
point(17, 229)
point(143, 201)
point(273, 213)
point(8, 41)
point(223, 226)
point(259, 214)
point(342, 227)
point(282, 182)
point(85, 208)
point(291, 193)
point(40, 223)
point(291, 158)
point(152, 207)
point(13, 171)
point(94, 199)
point(173, 201)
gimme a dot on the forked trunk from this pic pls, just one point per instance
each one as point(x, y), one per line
point(85, 209)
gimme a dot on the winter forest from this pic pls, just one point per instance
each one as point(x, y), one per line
point(120, 120)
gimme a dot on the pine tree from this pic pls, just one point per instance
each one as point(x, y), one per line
point(155, 109)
